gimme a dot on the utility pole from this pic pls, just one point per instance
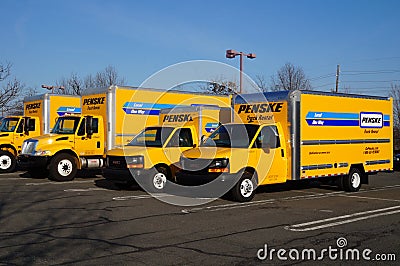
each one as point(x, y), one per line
point(337, 78)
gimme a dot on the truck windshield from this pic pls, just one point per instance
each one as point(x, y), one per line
point(9, 124)
point(152, 137)
point(66, 125)
point(232, 136)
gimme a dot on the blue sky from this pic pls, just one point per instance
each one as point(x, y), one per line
point(48, 40)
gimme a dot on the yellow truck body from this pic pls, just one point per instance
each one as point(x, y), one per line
point(110, 118)
point(300, 135)
point(151, 158)
point(40, 114)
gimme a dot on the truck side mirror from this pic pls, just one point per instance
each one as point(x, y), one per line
point(89, 125)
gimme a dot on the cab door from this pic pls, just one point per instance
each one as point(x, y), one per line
point(180, 141)
point(89, 144)
point(270, 148)
point(19, 135)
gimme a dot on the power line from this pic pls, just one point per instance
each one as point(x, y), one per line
point(371, 81)
point(374, 72)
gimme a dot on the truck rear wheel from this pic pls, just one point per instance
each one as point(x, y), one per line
point(8, 162)
point(244, 190)
point(352, 182)
point(63, 167)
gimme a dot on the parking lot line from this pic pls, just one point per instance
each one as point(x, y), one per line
point(371, 198)
point(60, 183)
point(314, 195)
point(143, 196)
point(84, 189)
point(344, 219)
point(258, 202)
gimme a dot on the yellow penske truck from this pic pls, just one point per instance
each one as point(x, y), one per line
point(151, 158)
point(110, 118)
point(295, 135)
point(40, 113)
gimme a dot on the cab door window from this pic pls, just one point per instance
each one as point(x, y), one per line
point(181, 138)
point(268, 138)
point(20, 128)
point(81, 130)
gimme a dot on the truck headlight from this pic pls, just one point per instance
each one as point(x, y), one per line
point(219, 166)
point(134, 161)
point(42, 153)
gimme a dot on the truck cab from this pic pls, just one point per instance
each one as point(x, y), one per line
point(242, 156)
point(13, 131)
point(74, 142)
point(151, 157)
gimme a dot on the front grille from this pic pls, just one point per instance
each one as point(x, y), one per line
point(117, 162)
point(198, 166)
point(29, 147)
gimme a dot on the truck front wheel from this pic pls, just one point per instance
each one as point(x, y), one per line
point(8, 162)
point(63, 167)
point(156, 180)
point(244, 189)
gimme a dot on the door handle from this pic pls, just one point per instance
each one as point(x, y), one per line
point(282, 153)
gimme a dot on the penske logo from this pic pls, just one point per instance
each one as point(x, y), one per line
point(371, 120)
point(32, 106)
point(260, 108)
point(94, 101)
point(178, 118)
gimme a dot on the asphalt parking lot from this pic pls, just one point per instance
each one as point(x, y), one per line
point(90, 222)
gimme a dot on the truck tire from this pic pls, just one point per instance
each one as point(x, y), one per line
point(244, 189)
point(352, 182)
point(63, 167)
point(8, 162)
point(157, 180)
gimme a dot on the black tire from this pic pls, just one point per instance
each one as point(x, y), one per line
point(156, 181)
point(352, 182)
point(8, 162)
point(63, 167)
point(244, 189)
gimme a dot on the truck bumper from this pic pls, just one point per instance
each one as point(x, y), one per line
point(187, 178)
point(31, 162)
point(122, 176)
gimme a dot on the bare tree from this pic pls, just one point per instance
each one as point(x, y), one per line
point(220, 86)
point(108, 77)
point(395, 94)
point(261, 83)
point(76, 85)
point(10, 91)
point(290, 77)
point(5, 70)
point(18, 105)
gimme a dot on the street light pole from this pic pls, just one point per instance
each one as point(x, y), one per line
point(232, 54)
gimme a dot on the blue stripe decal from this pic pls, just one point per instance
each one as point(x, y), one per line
point(338, 119)
point(321, 122)
point(140, 105)
point(68, 110)
point(134, 111)
point(330, 115)
point(210, 127)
